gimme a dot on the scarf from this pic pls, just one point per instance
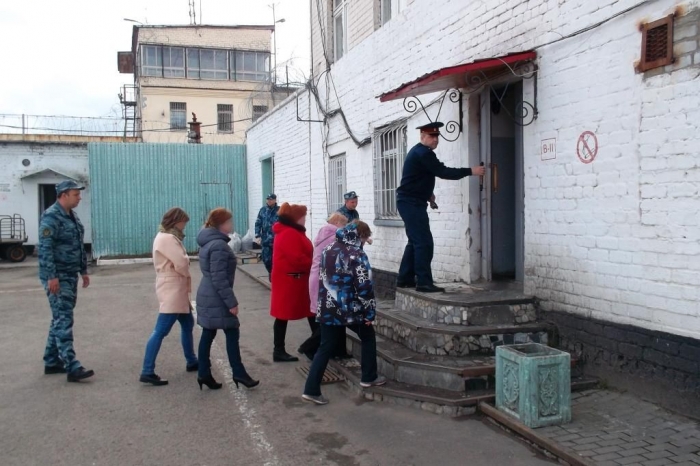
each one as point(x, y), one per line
point(172, 231)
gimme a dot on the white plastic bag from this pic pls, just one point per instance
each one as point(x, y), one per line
point(247, 241)
point(235, 243)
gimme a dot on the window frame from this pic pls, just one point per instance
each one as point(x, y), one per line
point(167, 69)
point(214, 70)
point(337, 181)
point(240, 74)
point(176, 111)
point(159, 61)
point(390, 148)
point(224, 110)
point(340, 10)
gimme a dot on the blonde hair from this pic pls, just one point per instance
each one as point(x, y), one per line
point(337, 218)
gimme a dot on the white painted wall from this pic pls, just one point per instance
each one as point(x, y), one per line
point(20, 195)
point(616, 239)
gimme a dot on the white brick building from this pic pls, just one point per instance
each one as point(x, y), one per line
point(614, 238)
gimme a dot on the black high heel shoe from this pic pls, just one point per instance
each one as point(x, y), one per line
point(209, 382)
point(247, 382)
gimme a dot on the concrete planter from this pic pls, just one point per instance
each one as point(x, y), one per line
point(533, 384)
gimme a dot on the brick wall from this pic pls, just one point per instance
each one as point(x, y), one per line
point(226, 38)
point(616, 239)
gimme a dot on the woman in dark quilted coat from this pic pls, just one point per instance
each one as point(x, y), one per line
point(217, 306)
point(345, 299)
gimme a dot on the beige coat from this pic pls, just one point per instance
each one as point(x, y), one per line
point(173, 281)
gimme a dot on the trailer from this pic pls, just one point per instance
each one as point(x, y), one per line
point(13, 235)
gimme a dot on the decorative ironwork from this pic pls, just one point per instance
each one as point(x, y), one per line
point(548, 382)
point(411, 104)
point(525, 112)
point(511, 386)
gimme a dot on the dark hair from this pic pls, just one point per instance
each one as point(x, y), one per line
point(174, 216)
point(218, 217)
point(363, 230)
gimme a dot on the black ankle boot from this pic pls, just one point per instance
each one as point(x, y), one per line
point(247, 382)
point(209, 382)
point(280, 355)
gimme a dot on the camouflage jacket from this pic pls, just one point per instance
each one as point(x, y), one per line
point(346, 291)
point(351, 215)
point(61, 247)
point(263, 225)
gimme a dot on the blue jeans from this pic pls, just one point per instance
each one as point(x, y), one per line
point(415, 264)
point(330, 335)
point(232, 349)
point(164, 324)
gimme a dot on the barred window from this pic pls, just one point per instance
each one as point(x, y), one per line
point(258, 111)
point(224, 118)
point(389, 154)
point(178, 115)
point(336, 182)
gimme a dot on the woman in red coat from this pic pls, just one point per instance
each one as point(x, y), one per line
point(292, 255)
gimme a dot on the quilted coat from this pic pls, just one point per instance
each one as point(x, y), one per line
point(346, 291)
point(215, 295)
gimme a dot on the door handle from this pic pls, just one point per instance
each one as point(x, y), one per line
point(494, 177)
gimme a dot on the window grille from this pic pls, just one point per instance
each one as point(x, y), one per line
point(258, 111)
point(389, 155)
point(178, 115)
point(336, 182)
point(657, 44)
point(224, 118)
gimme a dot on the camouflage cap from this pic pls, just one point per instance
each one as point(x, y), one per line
point(64, 186)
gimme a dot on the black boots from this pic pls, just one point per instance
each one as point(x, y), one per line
point(153, 379)
point(247, 382)
point(80, 374)
point(209, 382)
point(280, 332)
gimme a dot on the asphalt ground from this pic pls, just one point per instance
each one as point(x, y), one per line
point(115, 420)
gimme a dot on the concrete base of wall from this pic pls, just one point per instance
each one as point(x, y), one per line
point(660, 367)
point(384, 284)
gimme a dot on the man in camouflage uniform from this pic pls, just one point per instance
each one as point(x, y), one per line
point(350, 207)
point(263, 230)
point(61, 258)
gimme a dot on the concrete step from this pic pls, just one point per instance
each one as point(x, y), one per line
point(427, 337)
point(435, 400)
point(468, 305)
point(456, 373)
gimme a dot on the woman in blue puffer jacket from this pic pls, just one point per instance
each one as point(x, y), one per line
point(217, 306)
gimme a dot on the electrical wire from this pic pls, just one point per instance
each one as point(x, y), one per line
point(154, 130)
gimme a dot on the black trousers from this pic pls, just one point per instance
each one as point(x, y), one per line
point(415, 264)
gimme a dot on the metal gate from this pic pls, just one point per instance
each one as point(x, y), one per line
point(134, 184)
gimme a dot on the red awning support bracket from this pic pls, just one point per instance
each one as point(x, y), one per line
point(455, 81)
point(453, 128)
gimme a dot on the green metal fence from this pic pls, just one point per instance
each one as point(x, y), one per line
point(132, 185)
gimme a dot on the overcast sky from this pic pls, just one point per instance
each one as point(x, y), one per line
point(61, 55)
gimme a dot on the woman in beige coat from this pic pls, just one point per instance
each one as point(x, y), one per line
point(173, 287)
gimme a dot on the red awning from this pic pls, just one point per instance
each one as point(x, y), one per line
point(455, 77)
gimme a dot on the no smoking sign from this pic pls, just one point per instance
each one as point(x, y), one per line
point(587, 147)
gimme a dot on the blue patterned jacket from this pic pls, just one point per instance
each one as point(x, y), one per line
point(267, 216)
point(61, 248)
point(346, 291)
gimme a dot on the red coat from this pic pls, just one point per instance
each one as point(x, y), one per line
point(292, 255)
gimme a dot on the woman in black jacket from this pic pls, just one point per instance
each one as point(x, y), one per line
point(217, 306)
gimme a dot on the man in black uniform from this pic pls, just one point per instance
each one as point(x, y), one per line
point(413, 195)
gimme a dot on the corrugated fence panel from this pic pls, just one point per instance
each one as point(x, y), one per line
point(133, 185)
